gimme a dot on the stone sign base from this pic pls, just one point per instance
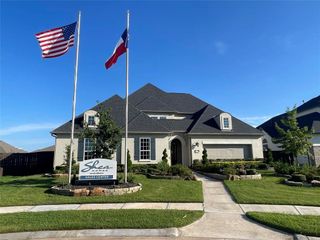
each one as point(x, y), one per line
point(78, 191)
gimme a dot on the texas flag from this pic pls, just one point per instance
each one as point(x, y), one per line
point(120, 49)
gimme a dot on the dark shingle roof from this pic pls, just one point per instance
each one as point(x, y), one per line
point(207, 124)
point(154, 104)
point(310, 120)
point(199, 114)
point(151, 98)
point(116, 105)
point(7, 148)
point(46, 149)
point(312, 103)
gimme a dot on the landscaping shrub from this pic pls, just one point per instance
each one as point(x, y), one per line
point(211, 168)
point(163, 167)
point(120, 167)
point(218, 166)
point(242, 172)
point(317, 178)
point(196, 163)
point(75, 169)
point(164, 156)
point(298, 178)
point(263, 166)
point(309, 171)
point(130, 177)
point(129, 162)
point(181, 171)
point(60, 169)
point(205, 156)
point(269, 156)
point(284, 168)
point(229, 171)
point(251, 171)
point(142, 168)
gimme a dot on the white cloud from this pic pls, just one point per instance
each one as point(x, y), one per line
point(221, 47)
point(27, 128)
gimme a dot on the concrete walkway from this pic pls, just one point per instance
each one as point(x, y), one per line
point(219, 195)
point(89, 206)
point(224, 218)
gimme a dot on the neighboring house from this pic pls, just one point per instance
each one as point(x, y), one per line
point(178, 122)
point(308, 114)
point(15, 161)
point(6, 148)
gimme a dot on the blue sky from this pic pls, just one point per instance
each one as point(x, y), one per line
point(250, 58)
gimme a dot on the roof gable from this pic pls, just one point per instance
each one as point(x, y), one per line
point(207, 124)
point(116, 105)
point(199, 120)
point(311, 120)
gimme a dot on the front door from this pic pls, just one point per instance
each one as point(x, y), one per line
point(176, 152)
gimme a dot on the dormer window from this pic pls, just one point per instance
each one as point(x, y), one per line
point(226, 124)
point(225, 121)
point(91, 121)
point(90, 118)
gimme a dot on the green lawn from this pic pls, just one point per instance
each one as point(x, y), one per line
point(96, 219)
point(307, 225)
point(269, 190)
point(33, 190)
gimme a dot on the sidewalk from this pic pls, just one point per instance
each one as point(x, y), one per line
point(219, 195)
point(105, 206)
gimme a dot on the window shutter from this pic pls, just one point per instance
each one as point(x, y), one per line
point(136, 149)
point(153, 148)
point(80, 149)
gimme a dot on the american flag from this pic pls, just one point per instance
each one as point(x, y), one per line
point(56, 42)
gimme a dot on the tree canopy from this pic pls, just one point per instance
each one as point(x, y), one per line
point(294, 139)
point(106, 135)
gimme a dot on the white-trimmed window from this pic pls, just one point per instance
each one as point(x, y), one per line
point(91, 121)
point(88, 148)
point(145, 148)
point(226, 123)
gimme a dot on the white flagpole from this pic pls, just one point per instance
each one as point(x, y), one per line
point(74, 97)
point(127, 91)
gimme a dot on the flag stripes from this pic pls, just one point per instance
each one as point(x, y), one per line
point(56, 42)
point(120, 49)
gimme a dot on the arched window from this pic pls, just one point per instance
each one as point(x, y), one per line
point(90, 118)
point(225, 121)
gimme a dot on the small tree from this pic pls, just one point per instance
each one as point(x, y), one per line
point(204, 156)
point(129, 162)
point(106, 135)
point(165, 156)
point(269, 156)
point(67, 156)
point(293, 139)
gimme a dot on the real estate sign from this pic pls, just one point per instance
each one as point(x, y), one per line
point(98, 169)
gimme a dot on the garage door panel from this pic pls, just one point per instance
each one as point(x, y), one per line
point(233, 151)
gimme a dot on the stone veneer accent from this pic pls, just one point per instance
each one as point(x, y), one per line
point(232, 177)
point(316, 153)
point(95, 191)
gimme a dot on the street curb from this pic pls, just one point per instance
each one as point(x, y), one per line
point(163, 232)
point(303, 237)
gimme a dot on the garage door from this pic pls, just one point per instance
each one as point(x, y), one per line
point(230, 151)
